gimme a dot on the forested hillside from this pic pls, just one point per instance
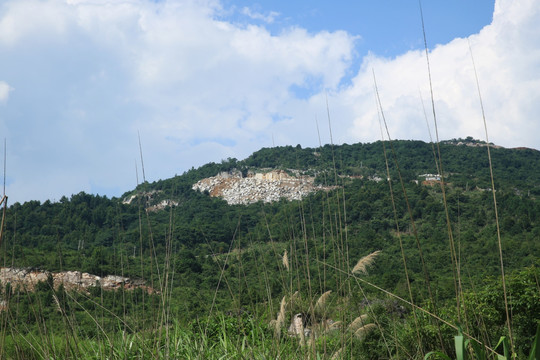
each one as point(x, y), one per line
point(438, 244)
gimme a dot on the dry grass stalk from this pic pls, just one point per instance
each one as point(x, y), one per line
point(358, 322)
point(57, 302)
point(364, 330)
point(294, 297)
point(335, 326)
point(310, 342)
point(281, 315)
point(301, 334)
point(337, 354)
point(365, 262)
point(319, 306)
point(302, 340)
point(286, 260)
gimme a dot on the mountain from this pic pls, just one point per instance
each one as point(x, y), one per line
point(85, 227)
point(465, 164)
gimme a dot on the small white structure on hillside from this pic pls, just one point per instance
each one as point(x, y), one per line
point(431, 177)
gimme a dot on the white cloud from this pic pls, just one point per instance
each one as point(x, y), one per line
point(5, 89)
point(25, 19)
point(259, 16)
point(507, 57)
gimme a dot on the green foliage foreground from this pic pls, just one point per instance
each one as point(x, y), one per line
point(58, 324)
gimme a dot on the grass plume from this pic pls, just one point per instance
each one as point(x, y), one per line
point(358, 322)
point(365, 262)
point(321, 302)
point(364, 330)
point(281, 315)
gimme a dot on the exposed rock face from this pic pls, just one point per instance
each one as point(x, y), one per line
point(72, 280)
point(150, 202)
point(297, 326)
point(162, 205)
point(266, 187)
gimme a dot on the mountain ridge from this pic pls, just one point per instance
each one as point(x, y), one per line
point(463, 161)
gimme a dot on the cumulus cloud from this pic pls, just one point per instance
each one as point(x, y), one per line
point(507, 58)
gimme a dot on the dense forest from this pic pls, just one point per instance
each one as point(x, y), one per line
point(217, 266)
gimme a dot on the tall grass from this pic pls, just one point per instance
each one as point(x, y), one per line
point(326, 308)
point(342, 312)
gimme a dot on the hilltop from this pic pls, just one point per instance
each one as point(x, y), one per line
point(465, 165)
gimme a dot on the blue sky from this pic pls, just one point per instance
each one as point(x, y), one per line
point(386, 27)
point(206, 80)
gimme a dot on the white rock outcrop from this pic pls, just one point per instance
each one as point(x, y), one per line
point(72, 280)
point(267, 187)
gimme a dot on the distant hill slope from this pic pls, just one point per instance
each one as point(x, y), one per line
point(465, 164)
point(103, 236)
